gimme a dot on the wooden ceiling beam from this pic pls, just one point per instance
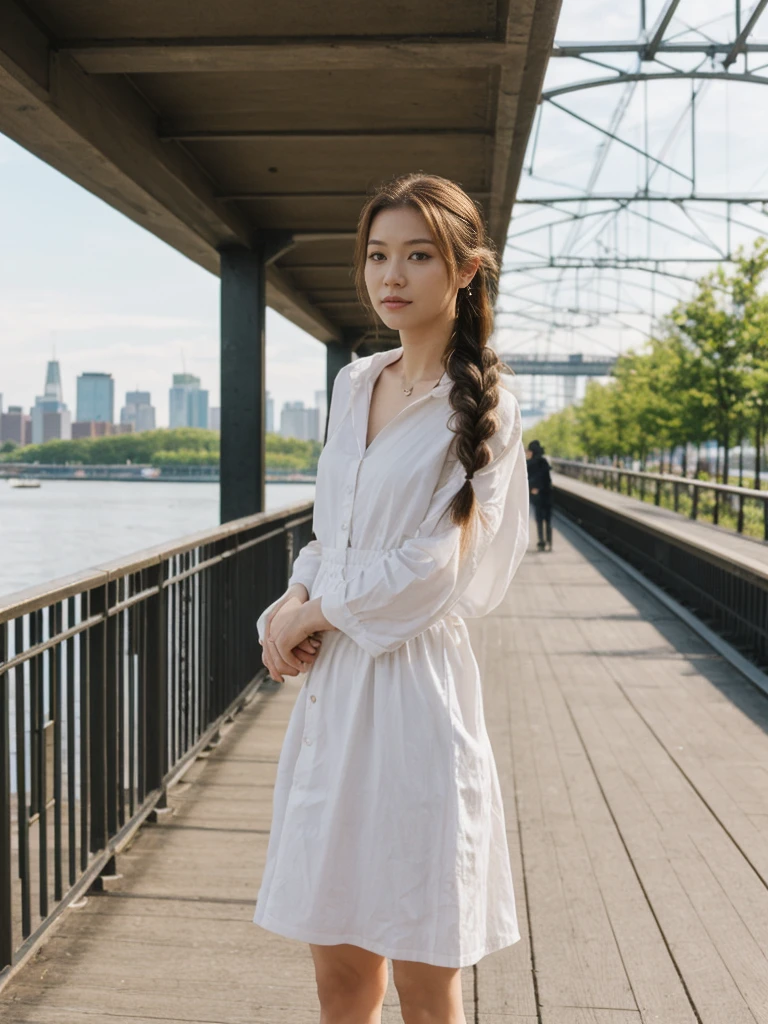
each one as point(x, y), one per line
point(168, 133)
point(157, 56)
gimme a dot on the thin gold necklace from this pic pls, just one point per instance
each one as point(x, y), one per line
point(409, 390)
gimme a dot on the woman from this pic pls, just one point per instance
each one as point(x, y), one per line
point(540, 483)
point(388, 836)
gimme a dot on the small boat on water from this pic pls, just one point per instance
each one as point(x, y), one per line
point(22, 482)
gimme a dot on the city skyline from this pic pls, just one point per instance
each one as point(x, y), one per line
point(107, 294)
point(188, 406)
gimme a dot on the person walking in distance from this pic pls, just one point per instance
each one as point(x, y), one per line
point(540, 483)
point(388, 837)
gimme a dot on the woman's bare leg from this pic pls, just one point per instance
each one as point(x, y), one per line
point(351, 984)
point(428, 994)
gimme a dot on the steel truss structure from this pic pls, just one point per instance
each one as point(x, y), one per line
point(587, 261)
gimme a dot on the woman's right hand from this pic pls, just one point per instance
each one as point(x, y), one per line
point(305, 651)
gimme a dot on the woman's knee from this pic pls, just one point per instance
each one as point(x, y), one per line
point(346, 974)
point(426, 991)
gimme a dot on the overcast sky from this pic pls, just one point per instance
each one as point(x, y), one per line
point(110, 297)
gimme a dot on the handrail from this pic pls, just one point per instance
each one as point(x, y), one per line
point(112, 679)
point(589, 471)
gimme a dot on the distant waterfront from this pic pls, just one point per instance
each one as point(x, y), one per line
point(68, 525)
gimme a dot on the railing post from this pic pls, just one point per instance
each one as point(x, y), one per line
point(6, 856)
point(97, 656)
point(694, 501)
point(157, 687)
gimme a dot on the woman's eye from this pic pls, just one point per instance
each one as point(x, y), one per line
point(424, 254)
point(372, 254)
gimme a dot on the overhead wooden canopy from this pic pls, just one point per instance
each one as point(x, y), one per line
point(209, 123)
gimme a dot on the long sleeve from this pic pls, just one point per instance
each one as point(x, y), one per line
point(306, 565)
point(413, 586)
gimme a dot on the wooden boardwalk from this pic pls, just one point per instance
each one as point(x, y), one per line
point(634, 765)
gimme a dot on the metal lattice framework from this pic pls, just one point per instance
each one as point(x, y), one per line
point(598, 249)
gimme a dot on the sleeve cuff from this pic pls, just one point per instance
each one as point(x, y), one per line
point(337, 613)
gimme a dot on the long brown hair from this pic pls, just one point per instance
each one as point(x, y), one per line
point(460, 236)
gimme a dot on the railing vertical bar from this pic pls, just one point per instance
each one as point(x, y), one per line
point(57, 705)
point(6, 852)
point(173, 674)
point(86, 718)
point(42, 775)
point(97, 653)
point(21, 674)
point(71, 751)
point(156, 689)
point(111, 687)
point(131, 646)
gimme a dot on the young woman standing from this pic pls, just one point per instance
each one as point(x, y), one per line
point(388, 835)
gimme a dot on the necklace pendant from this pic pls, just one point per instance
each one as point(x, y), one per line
point(408, 391)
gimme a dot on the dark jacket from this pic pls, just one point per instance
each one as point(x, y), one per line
point(539, 476)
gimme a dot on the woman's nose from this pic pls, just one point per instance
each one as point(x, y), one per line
point(394, 273)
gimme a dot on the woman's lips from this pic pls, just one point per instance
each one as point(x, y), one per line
point(395, 303)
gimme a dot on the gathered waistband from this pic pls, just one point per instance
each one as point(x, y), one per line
point(351, 556)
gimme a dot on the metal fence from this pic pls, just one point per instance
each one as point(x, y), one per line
point(727, 591)
point(637, 484)
point(111, 683)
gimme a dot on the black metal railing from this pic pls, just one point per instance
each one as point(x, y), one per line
point(727, 590)
point(678, 489)
point(112, 681)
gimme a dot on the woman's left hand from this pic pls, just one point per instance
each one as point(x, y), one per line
point(288, 629)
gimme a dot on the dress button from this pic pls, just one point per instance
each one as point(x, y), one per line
point(308, 741)
point(343, 526)
point(313, 698)
point(349, 490)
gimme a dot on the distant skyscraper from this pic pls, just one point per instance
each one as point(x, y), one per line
point(138, 411)
point(187, 402)
point(96, 398)
point(51, 419)
point(16, 426)
point(53, 381)
point(214, 418)
point(299, 422)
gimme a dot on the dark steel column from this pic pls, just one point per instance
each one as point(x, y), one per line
point(243, 370)
point(243, 373)
point(336, 356)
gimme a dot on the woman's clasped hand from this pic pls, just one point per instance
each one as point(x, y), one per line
point(287, 647)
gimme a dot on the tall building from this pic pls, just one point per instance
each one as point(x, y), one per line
point(270, 414)
point(96, 398)
point(214, 418)
point(16, 425)
point(138, 411)
point(51, 418)
point(300, 422)
point(187, 402)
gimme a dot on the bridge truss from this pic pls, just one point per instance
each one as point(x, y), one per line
point(647, 165)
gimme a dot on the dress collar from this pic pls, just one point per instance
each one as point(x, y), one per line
point(375, 364)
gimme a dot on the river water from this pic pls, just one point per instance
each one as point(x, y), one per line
point(69, 525)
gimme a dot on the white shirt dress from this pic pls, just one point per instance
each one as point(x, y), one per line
point(388, 828)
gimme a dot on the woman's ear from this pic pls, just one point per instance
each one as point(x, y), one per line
point(466, 275)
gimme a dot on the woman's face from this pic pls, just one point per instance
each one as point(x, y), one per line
point(407, 279)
